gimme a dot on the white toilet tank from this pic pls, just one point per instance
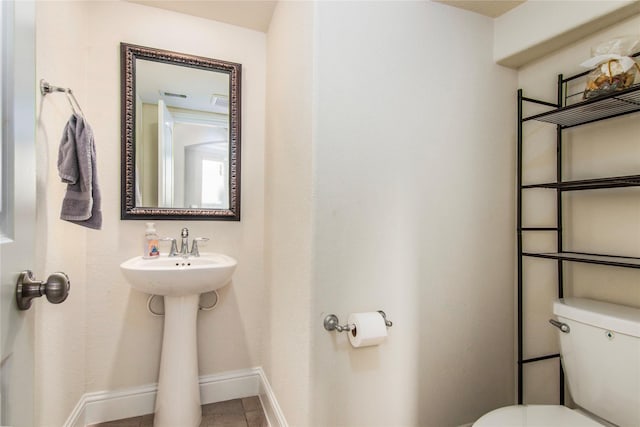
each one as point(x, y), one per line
point(601, 357)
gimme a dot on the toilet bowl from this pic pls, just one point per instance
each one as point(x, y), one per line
point(599, 348)
point(536, 415)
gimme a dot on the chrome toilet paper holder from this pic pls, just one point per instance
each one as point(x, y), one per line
point(331, 322)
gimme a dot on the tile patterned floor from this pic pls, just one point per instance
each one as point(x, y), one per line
point(245, 412)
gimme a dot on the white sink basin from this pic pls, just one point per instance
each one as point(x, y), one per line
point(177, 276)
point(180, 281)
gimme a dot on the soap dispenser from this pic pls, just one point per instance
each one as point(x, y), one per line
point(151, 246)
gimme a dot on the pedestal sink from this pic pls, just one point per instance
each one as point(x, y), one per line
point(180, 281)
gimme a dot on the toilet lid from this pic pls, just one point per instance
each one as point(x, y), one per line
point(535, 416)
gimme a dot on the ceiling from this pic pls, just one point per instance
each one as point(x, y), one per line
point(181, 87)
point(256, 14)
point(490, 8)
point(252, 14)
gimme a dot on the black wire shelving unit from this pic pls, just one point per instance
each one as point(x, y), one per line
point(566, 116)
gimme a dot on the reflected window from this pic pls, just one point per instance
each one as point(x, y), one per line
point(213, 183)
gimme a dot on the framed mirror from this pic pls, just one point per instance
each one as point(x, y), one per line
point(180, 136)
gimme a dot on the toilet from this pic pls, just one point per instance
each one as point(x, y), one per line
point(601, 358)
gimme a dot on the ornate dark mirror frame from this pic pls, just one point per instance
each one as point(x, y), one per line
point(128, 55)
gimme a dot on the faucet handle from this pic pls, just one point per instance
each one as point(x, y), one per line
point(194, 247)
point(174, 246)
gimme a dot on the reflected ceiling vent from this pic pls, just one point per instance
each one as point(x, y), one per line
point(219, 100)
point(172, 94)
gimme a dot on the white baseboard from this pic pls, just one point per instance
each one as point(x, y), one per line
point(103, 406)
point(272, 410)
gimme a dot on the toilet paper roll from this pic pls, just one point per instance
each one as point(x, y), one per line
point(367, 329)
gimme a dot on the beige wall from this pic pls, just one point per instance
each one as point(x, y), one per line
point(289, 191)
point(147, 154)
point(103, 338)
point(61, 331)
point(413, 177)
point(604, 221)
point(537, 28)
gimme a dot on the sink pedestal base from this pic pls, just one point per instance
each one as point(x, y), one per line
point(178, 399)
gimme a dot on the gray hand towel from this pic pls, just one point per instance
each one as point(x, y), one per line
point(77, 168)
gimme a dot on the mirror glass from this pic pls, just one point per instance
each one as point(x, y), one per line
point(181, 139)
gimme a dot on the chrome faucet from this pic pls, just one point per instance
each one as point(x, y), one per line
point(184, 246)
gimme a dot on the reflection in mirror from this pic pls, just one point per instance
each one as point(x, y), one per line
point(181, 136)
